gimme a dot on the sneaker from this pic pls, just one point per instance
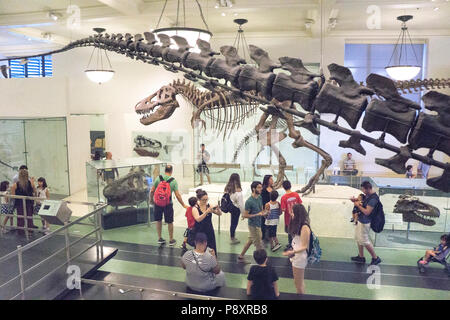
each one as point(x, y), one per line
point(172, 242)
point(359, 259)
point(375, 261)
point(234, 241)
point(161, 241)
point(276, 247)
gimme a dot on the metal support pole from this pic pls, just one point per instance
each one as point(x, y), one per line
point(219, 224)
point(97, 247)
point(148, 219)
point(25, 217)
point(407, 230)
point(98, 214)
point(22, 280)
point(66, 236)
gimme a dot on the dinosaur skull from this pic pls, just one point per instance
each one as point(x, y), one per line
point(414, 210)
point(159, 106)
point(130, 190)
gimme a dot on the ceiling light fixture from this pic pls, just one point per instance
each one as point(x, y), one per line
point(54, 15)
point(99, 74)
point(240, 42)
point(190, 34)
point(402, 71)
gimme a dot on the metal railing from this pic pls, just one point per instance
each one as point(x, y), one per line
point(25, 215)
point(19, 252)
point(141, 290)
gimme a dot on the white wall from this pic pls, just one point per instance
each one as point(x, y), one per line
point(79, 150)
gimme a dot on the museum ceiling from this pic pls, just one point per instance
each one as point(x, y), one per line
point(26, 26)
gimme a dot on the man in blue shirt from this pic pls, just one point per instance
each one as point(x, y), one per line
point(363, 226)
point(422, 170)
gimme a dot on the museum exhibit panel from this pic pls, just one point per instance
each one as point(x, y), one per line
point(330, 96)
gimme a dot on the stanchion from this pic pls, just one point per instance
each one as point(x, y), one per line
point(22, 280)
point(100, 226)
point(66, 237)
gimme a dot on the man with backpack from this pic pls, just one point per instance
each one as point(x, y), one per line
point(161, 196)
point(370, 211)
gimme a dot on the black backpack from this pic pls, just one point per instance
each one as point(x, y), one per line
point(226, 205)
point(377, 216)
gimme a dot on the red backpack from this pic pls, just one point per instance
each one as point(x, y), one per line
point(163, 193)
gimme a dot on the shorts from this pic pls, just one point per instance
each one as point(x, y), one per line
point(187, 232)
point(202, 168)
point(255, 236)
point(362, 233)
point(7, 209)
point(168, 213)
point(271, 231)
point(300, 260)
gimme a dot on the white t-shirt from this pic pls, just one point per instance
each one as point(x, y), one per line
point(3, 199)
point(238, 200)
point(41, 193)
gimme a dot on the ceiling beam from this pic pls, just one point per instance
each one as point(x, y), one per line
point(127, 7)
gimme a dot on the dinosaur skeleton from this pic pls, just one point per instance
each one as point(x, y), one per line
point(342, 96)
point(414, 210)
point(147, 147)
point(129, 190)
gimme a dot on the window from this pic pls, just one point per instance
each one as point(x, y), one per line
point(36, 67)
point(364, 59)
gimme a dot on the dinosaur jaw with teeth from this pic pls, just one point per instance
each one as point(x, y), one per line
point(414, 210)
point(153, 111)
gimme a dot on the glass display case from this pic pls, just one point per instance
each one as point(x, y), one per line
point(124, 185)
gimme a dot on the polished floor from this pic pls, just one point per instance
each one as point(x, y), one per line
point(140, 261)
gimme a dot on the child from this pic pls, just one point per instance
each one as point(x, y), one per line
point(409, 172)
point(273, 206)
point(42, 192)
point(437, 250)
point(262, 279)
point(190, 221)
point(6, 207)
point(356, 211)
point(287, 202)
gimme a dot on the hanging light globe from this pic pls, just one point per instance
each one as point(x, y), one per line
point(99, 74)
point(190, 34)
point(402, 73)
point(401, 70)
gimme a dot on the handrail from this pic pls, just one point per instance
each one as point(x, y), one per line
point(51, 234)
point(142, 289)
point(13, 196)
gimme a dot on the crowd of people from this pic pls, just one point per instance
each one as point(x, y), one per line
point(262, 210)
point(22, 185)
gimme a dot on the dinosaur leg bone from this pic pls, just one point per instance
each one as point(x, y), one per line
point(300, 142)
